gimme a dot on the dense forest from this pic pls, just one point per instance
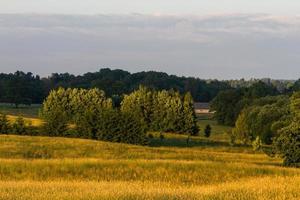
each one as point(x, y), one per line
point(26, 88)
point(262, 115)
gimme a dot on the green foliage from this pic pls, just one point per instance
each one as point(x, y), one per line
point(241, 130)
point(226, 106)
point(287, 144)
point(91, 115)
point(260, 89)
point(4, 124)
point(21, 88)
point(86, 106)
point(207, 131)
point(190, 119)
point(86, 124)
point(116, 126)
point(165, 111)
point(262, 120)
point(19, 127)
point(24, 88)
point(56, 122)
point(296, 86)
point(73, 106)
point(295, 105)
point(161, 136)
point(257, 144)
point(140, 104)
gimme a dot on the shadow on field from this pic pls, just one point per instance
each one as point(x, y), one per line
point(185, 142)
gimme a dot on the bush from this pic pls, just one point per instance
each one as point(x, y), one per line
point(161, 136)
point(257, 144)
point(287, 145)
point(4, 124)
point(56, 123)
point(150, 136)
point(19, 127)
point(207, 131)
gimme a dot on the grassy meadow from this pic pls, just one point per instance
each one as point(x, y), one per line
point(170, 168)
point(28, 113)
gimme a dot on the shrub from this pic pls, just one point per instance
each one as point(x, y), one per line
point(287, 145)
point(150, 136)
point(241, 130)
point(56, 123)
point(19, 127)
point(161, 136)
point(257, 144)
point(4, 124)
point(207, 131)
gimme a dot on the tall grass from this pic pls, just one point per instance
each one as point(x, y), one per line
point(62, 168)
point(276, 188)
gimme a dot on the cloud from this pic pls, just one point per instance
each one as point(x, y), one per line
point(211, 46)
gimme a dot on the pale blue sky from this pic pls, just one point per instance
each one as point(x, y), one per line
point(196, 7)
point(203, 38)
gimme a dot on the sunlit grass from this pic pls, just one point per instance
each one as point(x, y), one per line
point(276, 188)
point(64, 168)
point(36, 122)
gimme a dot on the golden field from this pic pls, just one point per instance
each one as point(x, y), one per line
point(65, 168)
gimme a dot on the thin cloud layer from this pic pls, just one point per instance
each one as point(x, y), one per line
point(220, 46)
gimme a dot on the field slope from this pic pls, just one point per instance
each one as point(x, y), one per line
point(63, 168)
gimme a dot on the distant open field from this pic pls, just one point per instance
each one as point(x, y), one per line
point(170, 168)
point(29, 113)
point(23, 110)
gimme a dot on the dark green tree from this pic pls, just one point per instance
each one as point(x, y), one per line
point(56, 122)
point(140, 104)
point(226, 106)
point(189, 115)
point(287, 145)
point(263, 119)
point(4, 124)
point(116, 126)
point(207, 131)
point(19, 127)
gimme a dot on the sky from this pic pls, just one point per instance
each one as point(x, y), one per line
point(223, 39)
point(150, 6)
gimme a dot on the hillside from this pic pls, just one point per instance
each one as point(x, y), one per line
point(62, 168)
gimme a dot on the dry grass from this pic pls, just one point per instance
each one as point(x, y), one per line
point(62, 168)
point(255, 188)
point(36, 122)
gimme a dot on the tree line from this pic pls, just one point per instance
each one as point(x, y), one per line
point(89, 113)
point(21, 88)
point(25, 88)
